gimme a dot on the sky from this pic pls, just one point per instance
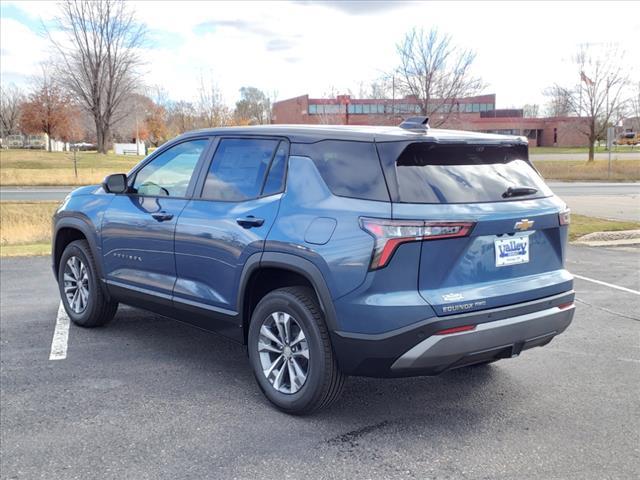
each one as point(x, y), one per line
point(295, 48)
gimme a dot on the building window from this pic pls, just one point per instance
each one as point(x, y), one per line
point(331, 109)
point(313, 109)
point(483, 107)
point(490, 106)
point(476, 107)
point(366, 108)
point(358, 108)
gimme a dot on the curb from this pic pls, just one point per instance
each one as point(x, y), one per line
point(610, 239)
point(608, 243)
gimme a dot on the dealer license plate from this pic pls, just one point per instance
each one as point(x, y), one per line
point(511, 250)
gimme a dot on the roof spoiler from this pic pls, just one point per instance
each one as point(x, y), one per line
point(420, 124)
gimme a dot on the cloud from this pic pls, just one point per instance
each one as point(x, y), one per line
point(241, 25)
point(22, 50)
point(360, 7)
point(280, 44)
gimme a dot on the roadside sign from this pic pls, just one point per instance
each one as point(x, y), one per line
point(611, 135)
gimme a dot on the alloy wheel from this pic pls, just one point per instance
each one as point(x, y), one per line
point(284, 352)
point(76, 284)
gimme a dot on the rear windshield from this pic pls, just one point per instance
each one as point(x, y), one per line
point(431, 173)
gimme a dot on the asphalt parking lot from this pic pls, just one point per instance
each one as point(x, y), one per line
point(148, 398)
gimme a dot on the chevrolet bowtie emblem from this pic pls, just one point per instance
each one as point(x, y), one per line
point(524, 224)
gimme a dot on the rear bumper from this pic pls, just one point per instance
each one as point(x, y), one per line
point(499, 333)
point(488, 341)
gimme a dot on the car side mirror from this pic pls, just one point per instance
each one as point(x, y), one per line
point(115, 183)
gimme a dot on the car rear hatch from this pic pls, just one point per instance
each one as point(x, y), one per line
point(494, 234)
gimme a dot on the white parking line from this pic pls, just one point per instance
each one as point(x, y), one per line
point(60, 336)
point(610, 285)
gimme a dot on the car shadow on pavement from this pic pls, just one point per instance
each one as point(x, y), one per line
point(208, 364)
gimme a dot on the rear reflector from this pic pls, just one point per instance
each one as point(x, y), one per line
point(565, 217)
point(389, 234)
point(448, 331)
point(565, 305)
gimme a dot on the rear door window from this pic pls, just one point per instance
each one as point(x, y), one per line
point(433, 173)
point(238, 169)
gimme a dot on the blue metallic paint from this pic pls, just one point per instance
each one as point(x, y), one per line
point(344, 260)
point(211, 248)
point(138, 250)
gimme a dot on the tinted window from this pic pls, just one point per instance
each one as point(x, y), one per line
point(170, 172)
point(429, 173)
point(350, 169)
point(238, 169)
point(275, 179)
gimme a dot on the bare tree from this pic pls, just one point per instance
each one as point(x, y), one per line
point(436, 72)
point(182, 117)
point(98, 58)
point(599, 95)
point(635, 107)
point(559, 103)
point(212, 112)
point(378, 89)
point(11, 98)
point(531, 110)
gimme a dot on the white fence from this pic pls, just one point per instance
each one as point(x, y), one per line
point(129, 148)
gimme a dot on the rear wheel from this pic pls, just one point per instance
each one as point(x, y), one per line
point(82, 297)
point(291, 354)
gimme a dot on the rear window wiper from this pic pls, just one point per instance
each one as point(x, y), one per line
point(519, 192)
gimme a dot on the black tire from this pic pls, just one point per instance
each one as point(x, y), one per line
point(98, 309)
point(324, 381)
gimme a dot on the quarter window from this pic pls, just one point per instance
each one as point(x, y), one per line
point(169, 173)
point(350, 169)
point(238, 169)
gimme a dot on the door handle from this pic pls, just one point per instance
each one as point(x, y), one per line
point(162, 216)
point(250, 221)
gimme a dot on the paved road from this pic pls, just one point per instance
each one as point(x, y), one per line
point(584, 156)
point(616, 201)
point(582, 189)
point(34, 193)
point(149, 398)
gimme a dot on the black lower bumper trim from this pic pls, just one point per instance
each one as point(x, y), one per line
point(373, 355)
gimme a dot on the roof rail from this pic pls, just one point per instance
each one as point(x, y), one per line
point(420, 124)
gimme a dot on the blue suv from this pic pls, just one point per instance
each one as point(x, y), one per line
point(328, 251)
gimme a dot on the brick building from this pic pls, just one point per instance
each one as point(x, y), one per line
point(473, 113)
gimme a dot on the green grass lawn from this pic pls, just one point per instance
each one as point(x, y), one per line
point(577, 170)
point(37, 167)
point(582, 225)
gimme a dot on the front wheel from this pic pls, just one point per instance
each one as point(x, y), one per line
point(82, 297)
point(290, 352)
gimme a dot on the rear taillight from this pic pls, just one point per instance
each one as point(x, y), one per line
point(389, 234)
point(565, 217)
